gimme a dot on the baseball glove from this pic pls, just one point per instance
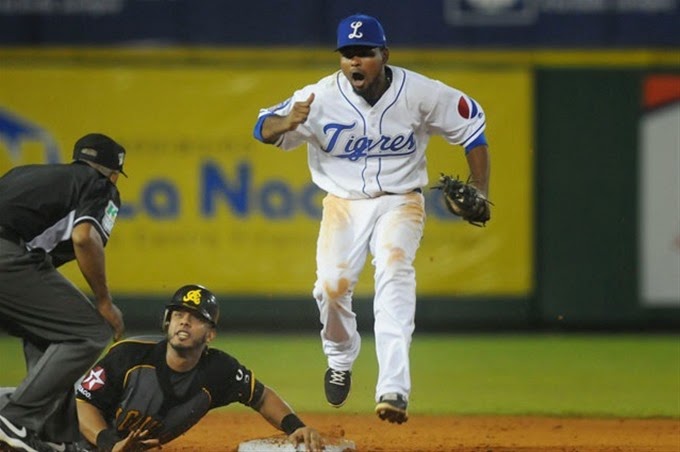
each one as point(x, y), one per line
point(464, 200)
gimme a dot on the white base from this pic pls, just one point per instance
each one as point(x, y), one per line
point(283, 445)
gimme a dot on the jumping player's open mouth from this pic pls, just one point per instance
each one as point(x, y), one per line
point(358, 81)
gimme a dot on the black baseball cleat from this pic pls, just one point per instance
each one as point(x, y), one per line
point(392, 408)
point(337, 384)
point(20, 438)
point(68, 447)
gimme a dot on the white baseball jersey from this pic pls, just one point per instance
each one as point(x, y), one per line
point(358, 151)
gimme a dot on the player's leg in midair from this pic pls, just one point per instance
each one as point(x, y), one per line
point(342, 248)
point(394, 244)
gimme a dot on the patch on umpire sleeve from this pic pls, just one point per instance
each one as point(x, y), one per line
point(95, 380)
point(110, 214)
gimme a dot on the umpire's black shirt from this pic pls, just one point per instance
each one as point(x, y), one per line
point(42, 203)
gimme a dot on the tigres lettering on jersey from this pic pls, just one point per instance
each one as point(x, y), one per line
point(357, 151)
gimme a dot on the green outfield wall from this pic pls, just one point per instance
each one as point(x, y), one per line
point(588, 124)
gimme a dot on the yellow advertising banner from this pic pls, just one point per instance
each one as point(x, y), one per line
point(206, 203)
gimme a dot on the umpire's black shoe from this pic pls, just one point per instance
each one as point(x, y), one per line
point(392, 408)
point(337, 384)
point(20, 438)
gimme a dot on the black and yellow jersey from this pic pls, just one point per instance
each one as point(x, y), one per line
point(134, 388)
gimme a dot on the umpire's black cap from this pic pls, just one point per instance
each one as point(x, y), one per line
point(100, 149)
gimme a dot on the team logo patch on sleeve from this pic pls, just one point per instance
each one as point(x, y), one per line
point(110, 214)
point(467, 108)
point(95, 379)
point(463, 108)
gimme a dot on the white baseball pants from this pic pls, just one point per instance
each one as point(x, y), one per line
point(390, 227)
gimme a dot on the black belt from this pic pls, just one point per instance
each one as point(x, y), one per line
point(10, 235)
point(415, 190)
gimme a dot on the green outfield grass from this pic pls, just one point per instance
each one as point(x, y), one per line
point(564, 375)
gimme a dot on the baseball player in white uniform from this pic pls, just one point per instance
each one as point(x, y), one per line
point(367, 127)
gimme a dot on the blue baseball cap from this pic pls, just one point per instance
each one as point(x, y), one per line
point(360, 30)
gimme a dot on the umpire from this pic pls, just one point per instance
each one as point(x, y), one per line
point(51, 214)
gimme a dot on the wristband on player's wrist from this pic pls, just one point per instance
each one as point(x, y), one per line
point(106, 439)
point(290, 423)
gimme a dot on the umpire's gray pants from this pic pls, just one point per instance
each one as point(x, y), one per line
point(63, 336)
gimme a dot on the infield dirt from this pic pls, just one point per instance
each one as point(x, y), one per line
point(224, 431)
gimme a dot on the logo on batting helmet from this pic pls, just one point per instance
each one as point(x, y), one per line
point(194, 298)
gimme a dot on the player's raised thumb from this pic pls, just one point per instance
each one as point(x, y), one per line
point(310, 99)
